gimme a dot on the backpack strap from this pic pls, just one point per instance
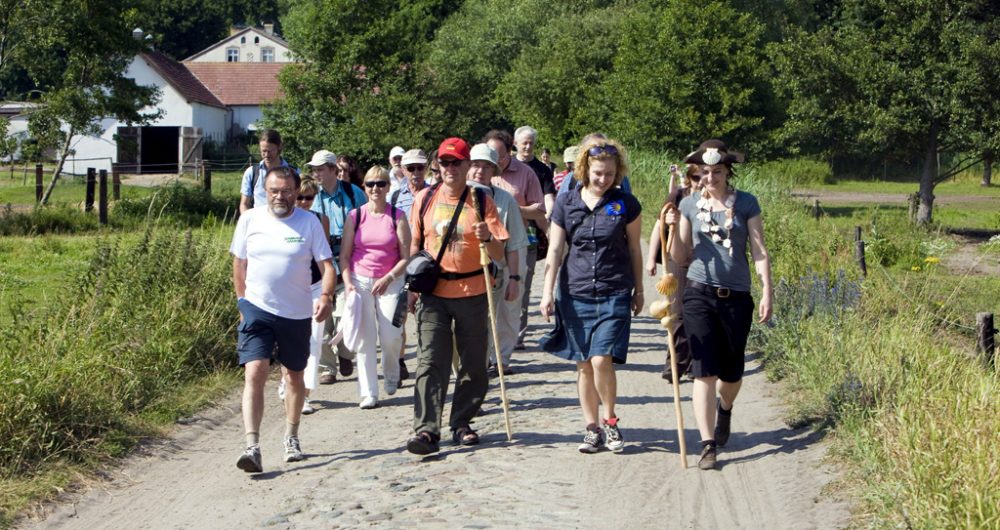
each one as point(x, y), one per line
point(451, 226)
point(423, 209)
point(394, 198)
point(255, 172)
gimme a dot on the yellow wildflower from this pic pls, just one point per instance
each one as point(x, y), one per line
point(915, 268)
point(932, 260)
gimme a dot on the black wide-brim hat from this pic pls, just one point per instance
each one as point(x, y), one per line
point(712, 152)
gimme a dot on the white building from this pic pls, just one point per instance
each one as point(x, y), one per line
point(189, 113)
point(248, 45)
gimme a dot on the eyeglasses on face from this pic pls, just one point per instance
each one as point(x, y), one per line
point(306, 197)
point(376, 183)
point(449, 162)
point(415, 167)
point(597, 150)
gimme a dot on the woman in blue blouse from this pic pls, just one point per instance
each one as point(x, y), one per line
point(598, 293)
point(716, 228)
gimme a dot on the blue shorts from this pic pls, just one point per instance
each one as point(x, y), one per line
point(260, 331)
point(593, 327)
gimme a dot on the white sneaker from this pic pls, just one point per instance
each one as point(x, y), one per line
point(368, 403)
point(293, 453)
point(281, 389)
point(249, 461)
point(391, 387)
point(307, 407)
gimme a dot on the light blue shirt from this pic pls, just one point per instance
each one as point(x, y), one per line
point(258, 193)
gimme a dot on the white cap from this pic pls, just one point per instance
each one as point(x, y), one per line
point(414, 156)
point(322, 158)
point(485, 152)
point(396, 151)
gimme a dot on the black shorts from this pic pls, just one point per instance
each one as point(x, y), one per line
point(717, 330)
point(260, 331)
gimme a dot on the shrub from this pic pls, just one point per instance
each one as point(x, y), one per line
point(180, 205)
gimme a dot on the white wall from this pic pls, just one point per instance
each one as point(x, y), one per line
point(249, 52)
point(246, 115)
point(17, 127)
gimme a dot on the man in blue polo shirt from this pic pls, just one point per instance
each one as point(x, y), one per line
point(335, 200)
point(414, 166)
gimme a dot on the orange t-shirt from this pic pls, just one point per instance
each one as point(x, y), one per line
point(462, 253)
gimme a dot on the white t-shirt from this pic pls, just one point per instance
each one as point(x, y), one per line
point(278, 254)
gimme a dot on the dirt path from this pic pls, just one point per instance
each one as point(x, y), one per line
point(358, 474)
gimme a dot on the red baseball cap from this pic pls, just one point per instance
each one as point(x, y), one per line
point(454, 148)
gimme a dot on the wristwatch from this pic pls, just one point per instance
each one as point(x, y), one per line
point(515, 277)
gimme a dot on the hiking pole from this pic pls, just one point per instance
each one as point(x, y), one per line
point(484, 260)
point(674, 381)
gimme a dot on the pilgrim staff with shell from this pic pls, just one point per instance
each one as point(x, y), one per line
point(716, 227)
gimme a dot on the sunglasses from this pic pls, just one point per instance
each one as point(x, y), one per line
point(450, 162)
point(376, 183)
point(694, 178)
point(597, 150)
point(306, 197)
point(416, 167)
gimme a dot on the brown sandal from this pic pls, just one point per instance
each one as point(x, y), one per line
point(465, 436)
point(422, 444)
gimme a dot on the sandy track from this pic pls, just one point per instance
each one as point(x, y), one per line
point(851, 197)
point(358, 474)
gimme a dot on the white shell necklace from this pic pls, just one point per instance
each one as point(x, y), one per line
point(709, 226)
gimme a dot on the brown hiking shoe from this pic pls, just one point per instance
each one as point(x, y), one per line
point(708, 456)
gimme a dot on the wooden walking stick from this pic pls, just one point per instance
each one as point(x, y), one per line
point(484, 260)
point(662, 310)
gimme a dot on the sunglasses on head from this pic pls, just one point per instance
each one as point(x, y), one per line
point(376, 183)
point(415, 167)
point(597, 150)
point(306, 197)
point(449, 162)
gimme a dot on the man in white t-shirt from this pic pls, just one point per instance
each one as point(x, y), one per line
point(396, 176)
point(272, 250)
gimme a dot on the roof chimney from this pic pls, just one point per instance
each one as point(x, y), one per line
point(137, 34)
point(269, 29)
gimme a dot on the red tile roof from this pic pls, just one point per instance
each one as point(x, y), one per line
point(181, 79)
point(240, 83)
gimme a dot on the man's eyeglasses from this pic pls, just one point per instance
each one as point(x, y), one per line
point(449, 162)
point(597, 150)
point(376, 183)
point(306, 197)
point(415, 167)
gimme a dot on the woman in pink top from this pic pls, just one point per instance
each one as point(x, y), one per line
point(373, 255)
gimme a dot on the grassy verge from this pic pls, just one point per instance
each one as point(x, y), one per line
point(140, 334)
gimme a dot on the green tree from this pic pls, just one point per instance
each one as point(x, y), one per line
point(909, 78)
point(182, 28)
point(358, 88)
point(552, 83)
point(687, 70)
point(78, 60)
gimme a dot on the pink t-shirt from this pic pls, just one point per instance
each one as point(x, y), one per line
point(376, 247)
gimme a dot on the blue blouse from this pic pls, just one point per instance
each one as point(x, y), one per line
point(598, 263)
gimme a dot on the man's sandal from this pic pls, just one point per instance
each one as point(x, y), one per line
point(422, 444)
point(465, 436)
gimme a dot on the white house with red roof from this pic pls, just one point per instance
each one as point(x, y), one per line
point(201, 100)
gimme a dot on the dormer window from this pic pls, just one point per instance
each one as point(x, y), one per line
point(267, 55)
point(256, 40)
point(243, 39)
point(232, 55)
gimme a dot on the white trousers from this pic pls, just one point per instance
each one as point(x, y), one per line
point(311, 375)
point(508, 315)
point(375, 329)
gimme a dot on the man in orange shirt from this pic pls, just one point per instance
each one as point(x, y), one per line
point(455, 315)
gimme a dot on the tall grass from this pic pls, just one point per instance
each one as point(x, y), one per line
point(83, 375)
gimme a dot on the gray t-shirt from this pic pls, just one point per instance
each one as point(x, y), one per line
point(711, 263)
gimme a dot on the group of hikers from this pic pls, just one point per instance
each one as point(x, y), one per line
point(327, 267)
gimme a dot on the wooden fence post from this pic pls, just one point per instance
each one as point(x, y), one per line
point(985, 345)
point(860, 254)
point(206, 175)
point(816, 210)
point(88, 204)
point(39, 186)
point(857, 233)
point(102, 197)
point(116, 182)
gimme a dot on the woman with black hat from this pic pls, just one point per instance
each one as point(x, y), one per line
point(716, 227)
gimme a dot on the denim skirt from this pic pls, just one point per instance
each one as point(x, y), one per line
point(591, 327)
